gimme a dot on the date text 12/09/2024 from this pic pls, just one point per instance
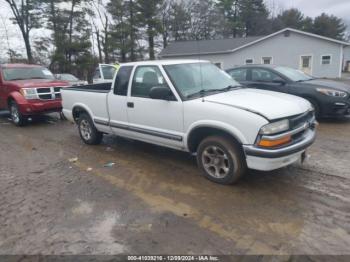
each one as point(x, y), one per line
point(173, 258)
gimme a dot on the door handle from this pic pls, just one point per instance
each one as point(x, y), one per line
point(131, 105)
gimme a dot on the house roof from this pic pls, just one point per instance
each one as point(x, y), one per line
point(205, 46)
point(222, 46)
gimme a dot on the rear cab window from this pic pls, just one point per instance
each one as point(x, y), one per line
point(122, 80)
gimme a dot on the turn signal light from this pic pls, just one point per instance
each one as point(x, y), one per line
point(275, 143)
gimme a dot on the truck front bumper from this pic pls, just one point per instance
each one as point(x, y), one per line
point(272, 159)
point(40, 107)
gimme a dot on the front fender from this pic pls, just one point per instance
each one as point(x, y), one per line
point(218, 125)
point(17, 96)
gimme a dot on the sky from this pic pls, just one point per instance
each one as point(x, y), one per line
point(340, 8)
point(314, 8)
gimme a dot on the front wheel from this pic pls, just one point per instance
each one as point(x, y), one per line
point(16, 116)
point(87, 130)
point(221, 160)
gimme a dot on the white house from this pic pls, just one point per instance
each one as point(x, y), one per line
point(347, 59)
point(314, 54)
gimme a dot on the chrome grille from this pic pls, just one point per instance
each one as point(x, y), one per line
point(49, 93)
point(302, 119)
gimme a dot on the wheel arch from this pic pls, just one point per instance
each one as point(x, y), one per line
point(80, 109)
point(312, 100)
point(200, 132)
point(16, 97)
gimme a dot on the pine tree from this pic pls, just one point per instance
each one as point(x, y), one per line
point(254, 17)
point(148, 17)
point(293, 18)
point(329, 26)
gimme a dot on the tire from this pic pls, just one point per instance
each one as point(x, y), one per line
point(221, 160)
point(316, 107)
point(87, 130)
point(62, 117)
point(16, 116)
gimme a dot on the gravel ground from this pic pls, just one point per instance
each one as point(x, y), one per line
point(56, 197)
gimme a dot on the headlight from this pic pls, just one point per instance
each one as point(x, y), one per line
point(29, 93)
point(275, 128)
point(330, 92)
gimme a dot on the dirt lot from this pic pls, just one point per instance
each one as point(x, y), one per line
point(154, 200)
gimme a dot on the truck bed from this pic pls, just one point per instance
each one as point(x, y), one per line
point(95, 88)
point(91, 98)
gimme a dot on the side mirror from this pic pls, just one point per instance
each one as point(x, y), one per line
point(160, 93)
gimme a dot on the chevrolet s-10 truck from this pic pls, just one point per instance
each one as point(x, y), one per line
point(194, 106)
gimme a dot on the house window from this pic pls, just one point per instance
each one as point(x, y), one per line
point(249, 61)
point(326, 59)
point(267, 60)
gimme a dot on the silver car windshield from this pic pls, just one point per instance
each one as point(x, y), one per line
point(199, 79)
point(293, 74)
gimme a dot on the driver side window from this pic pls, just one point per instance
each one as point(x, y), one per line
point(263, 75)
point(145, 78)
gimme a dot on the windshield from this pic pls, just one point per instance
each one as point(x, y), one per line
point(199, 79)
point(293, 74)
point(26, 73)
point(108, 72)
point(68, 77)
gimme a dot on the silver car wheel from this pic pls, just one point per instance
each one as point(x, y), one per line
point(15, 114)
point(216, 162)
point(85, 130)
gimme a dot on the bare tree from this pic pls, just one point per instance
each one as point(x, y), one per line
point(26, 17)
point(104, 23)
point(4, 24)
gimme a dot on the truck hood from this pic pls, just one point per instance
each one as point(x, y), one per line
point(38, 83)
point(271, 105)
point(331, 84)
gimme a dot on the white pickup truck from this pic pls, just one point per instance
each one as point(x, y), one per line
point(194, 106)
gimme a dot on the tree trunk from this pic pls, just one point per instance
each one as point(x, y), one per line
point(132, 31)
point(165, 40)
point(99, 46)
point(106, 44)
point(70, 37)
point(28, 48)
point(151, 42)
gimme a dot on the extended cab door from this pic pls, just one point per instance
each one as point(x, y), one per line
point(151, 120)
point(117, 102)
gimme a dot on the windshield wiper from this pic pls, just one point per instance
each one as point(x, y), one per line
point(306, 80)
point(15, 79)
point(201, 93)
point(229, 88)
point(204, 92)
point(37, 78)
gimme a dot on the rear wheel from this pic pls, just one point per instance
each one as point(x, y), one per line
point(221, 160)
point(16, 116)
point(87, 130)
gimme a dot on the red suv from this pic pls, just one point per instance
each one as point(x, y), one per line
point(28, 90)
